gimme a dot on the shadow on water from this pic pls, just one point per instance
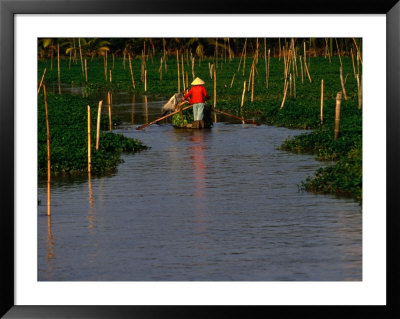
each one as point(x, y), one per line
point(218, 204)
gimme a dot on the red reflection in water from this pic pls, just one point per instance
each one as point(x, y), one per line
point(198, 162)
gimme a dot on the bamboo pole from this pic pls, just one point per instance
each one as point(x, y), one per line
point(123, 60)
point(322, 101)
point(145, 80)
point(89, 141)
point(86, 76)
point(243, 93)
point(48, 150)
point(105, 66)
point(70, 60)
point(215, 93)
point(241, 56)
point(98, 125)
point(352, 61)
point(41, 80)
point(163, 117)
point(177, 65)
point(286, 84)
point(233, 79)
point(290, 85)
point(266, 66)
point(187, 80)
point(109, 110)
point(306, 68)
point(358, 51)
point(269, 61)
point(252, 85)
point(183, 74)
point(301, 69)
point(236, 117)
point(342, 82)
point(359, 91)
point(337, 114)
point(80, 54)
point(193, 74)
point(110, 76)
point(58, 68)
point(337, 46)
point(130, 67)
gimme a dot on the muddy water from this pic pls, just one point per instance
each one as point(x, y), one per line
point(209, 205)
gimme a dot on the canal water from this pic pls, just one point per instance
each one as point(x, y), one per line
point(222, 204)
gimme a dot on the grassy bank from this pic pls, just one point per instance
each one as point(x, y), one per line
point(69, 138)
point(301, 108)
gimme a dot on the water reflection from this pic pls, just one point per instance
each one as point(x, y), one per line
point(91, 211)
point(146, 107)
point(197, 151)
point(133, 109)
point(51, 242)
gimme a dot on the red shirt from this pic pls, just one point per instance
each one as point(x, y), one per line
point(198, 93)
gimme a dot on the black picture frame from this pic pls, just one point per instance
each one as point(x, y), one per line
point(8, 10)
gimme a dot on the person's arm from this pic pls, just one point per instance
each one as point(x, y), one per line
point(206, 97)
point(187, 94)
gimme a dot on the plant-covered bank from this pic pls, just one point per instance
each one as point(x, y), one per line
point(69, 138)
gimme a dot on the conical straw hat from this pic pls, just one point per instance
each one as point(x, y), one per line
point(197, 81)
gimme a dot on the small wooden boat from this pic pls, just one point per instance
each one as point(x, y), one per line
point(195, 125)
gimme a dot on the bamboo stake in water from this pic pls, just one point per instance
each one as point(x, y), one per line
point(41, 80)
point(48, 149)
point(130, 67)
point(58, 67)
point(322, 101)
point(98, 125)
point(177, 65)
point(89, 141)
point(109, 110)
point(337, 114)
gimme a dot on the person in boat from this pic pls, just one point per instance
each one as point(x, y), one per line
point(198, 96)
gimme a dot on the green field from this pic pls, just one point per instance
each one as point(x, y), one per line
point(301, 110)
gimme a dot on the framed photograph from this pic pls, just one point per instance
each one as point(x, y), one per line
point(265, 168)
